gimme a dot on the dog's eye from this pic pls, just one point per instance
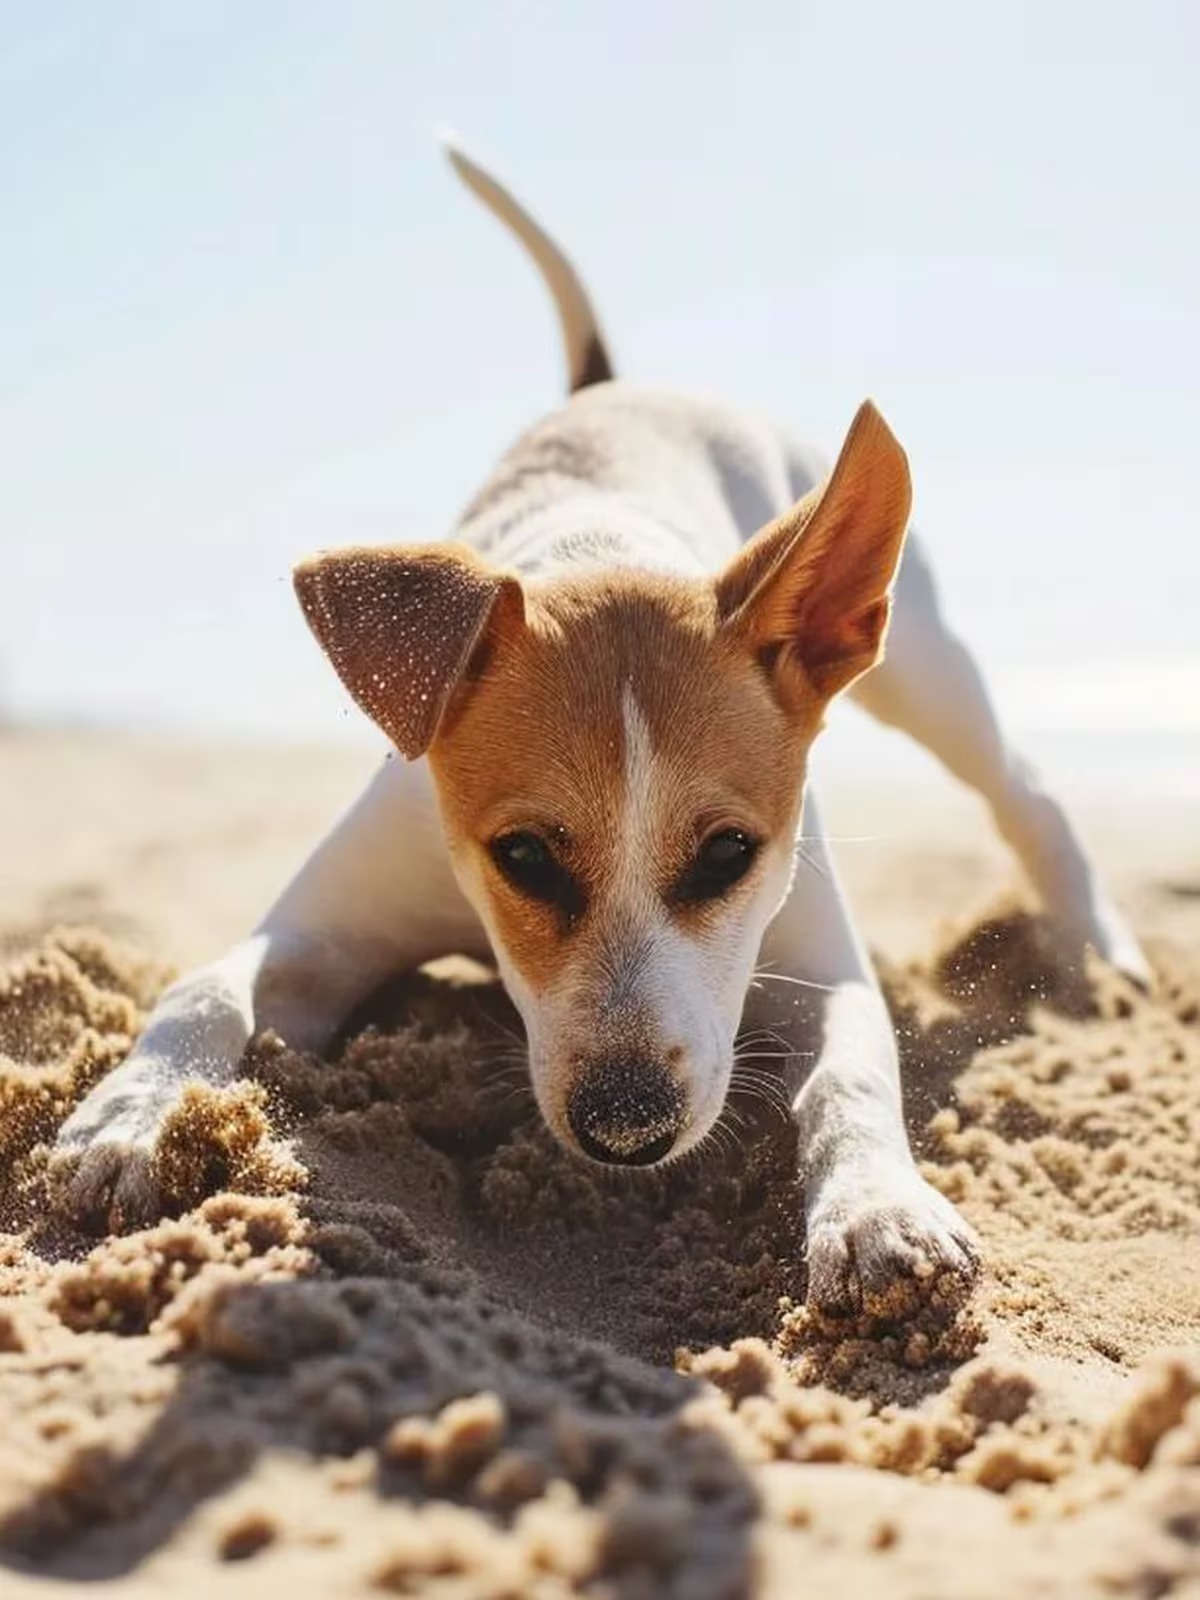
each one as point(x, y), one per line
point(721, 861)
point(530, 865)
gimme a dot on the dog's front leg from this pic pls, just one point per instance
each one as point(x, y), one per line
point(871, 1219)
point(376, 897)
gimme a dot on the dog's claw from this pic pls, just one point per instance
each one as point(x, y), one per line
point(106, 1188)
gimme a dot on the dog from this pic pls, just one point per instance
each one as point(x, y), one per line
point(605, 692)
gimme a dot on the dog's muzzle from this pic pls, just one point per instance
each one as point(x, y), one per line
point(626, 1112)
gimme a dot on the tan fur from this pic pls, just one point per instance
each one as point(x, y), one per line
point(539, 743)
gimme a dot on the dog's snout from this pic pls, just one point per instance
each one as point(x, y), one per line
point(626, 1112)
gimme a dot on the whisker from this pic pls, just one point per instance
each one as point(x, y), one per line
point(768, 1083)
point(500, 1057)
point(722, 1137)
point(763, 1036)
point(734, 1115)
point(745, 1047)
point(817, 866)
point(756, 1075)
point(760, 1036)
point(771, 1055)
point(509, 1074)
point(494, 1024)
point(744, 1074)
point(843, 838)
point(503, 1055)
point(803, 983)
point(779, 1110)
point(770, 1086)
point(517, 1092)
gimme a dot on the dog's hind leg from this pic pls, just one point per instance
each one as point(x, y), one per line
point(929, 686)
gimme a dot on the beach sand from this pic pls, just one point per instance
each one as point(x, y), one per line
point(393, 1341)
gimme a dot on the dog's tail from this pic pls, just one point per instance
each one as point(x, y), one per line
point(587, 354)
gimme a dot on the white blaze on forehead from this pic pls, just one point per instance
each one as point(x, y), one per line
point(635, 841)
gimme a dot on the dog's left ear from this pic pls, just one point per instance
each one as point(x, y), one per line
point(814, 586)
point(405, 626)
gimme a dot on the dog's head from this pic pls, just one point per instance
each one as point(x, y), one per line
point(620, 760)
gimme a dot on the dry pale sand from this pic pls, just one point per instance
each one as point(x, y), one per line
point(394, 1342)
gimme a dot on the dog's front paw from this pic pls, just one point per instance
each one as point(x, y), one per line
point(877, 1243)
point(102, 1170)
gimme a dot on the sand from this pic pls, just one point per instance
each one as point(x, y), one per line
point(392, 1341)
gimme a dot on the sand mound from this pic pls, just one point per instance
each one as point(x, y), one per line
point(395, 1341)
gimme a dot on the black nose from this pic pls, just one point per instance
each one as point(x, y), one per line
point(627, 1112)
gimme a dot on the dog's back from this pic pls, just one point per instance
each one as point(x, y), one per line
point(623, 474)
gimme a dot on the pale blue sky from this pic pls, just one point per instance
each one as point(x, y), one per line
point(246, 311)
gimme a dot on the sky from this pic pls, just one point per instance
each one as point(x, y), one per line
point(246, 311)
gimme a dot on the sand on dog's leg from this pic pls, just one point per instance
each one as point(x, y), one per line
point(376, 897)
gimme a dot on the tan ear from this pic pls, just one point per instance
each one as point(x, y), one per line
point(814, 586)
point(401, 625)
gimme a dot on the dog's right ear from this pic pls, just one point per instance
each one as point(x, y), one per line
point(404, 625)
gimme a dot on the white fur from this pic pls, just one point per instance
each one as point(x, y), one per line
point(638, 816)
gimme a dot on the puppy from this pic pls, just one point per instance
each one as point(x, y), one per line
point(605, 692)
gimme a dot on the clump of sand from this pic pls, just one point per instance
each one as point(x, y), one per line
point(392, 1340)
